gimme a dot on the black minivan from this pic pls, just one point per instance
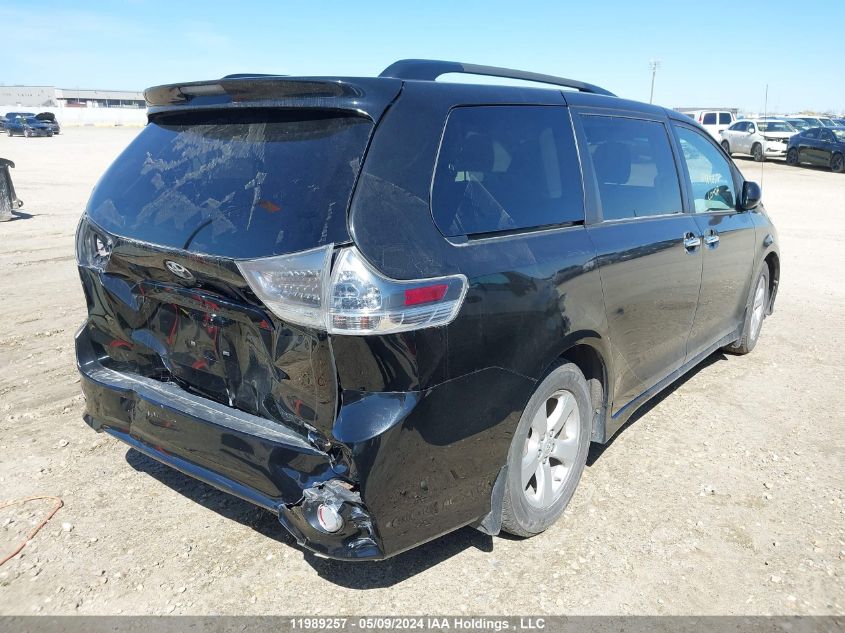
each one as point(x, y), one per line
point(385, 308)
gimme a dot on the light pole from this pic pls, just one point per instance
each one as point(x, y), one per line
point(653, 65)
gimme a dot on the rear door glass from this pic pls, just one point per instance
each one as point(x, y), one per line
point(724, 118)
point(634, 166)
point(502, 168)
point(238, 184)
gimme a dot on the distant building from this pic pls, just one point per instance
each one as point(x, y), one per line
point(50, 96)
point(101, 98)
point(28, 96)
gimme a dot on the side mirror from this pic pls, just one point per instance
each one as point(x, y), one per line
point(751, 194)
point(751, 130)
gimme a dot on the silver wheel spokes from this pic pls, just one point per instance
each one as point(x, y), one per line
point(759, 308)
point(550, 449)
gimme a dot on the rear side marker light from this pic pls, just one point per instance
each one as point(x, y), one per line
point(425, 294)
point(354, 298)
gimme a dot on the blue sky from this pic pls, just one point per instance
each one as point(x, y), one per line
point(713, 52)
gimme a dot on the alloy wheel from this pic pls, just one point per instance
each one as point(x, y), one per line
point(550, 449)
point(759, 308)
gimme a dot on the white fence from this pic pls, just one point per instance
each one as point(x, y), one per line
point(79, 117)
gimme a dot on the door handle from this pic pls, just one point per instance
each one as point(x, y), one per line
point(691, 242)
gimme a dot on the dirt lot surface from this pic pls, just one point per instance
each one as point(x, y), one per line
point(724, 497)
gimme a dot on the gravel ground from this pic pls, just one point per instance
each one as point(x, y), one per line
point(725, 496)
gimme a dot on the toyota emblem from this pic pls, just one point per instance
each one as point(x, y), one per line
point(179, 270)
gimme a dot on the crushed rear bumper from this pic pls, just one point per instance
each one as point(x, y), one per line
point(258, 460)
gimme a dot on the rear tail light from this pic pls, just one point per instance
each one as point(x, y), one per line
point(292, 286)
point(92, 249)
point(354, 298)
point(363, 301)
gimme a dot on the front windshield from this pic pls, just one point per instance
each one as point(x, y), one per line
point(32, 120)
point(839, 134)
point(798, 124)
point(776, 126)
point(828, 122)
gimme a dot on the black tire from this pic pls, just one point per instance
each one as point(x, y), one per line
point(757, 152)
point(792, 157)
point(727, 147)
point(519, 517)
point(749, 337)
point(837, 163)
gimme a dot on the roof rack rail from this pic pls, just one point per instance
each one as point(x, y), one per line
point(431, 69)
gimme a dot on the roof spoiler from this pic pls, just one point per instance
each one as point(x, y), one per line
point(367, 96)
point(430, 70)
point(248, 88)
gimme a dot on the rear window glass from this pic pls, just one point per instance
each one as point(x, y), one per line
point(634, 166)
point(247, 184)
point(709, 118)
point(724, 118)
point(503, 168)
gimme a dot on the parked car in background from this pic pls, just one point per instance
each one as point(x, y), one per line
point(436, 299)
point(816, 121)
point(50, 119)
point(2, 121)
point(818, 146)
point(13, 115)
point(798, 124)
point(47, 117)
point(839, 122)
point(28, 126)
point(760, 138)
point(714, 121)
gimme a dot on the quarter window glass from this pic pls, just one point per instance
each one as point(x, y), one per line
point(634, 167)
point(710, 118)
point(812, 133)
point(709, 171)
point(724, 118)
point(502, 168)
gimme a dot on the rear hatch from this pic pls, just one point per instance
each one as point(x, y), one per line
point(205, 185)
